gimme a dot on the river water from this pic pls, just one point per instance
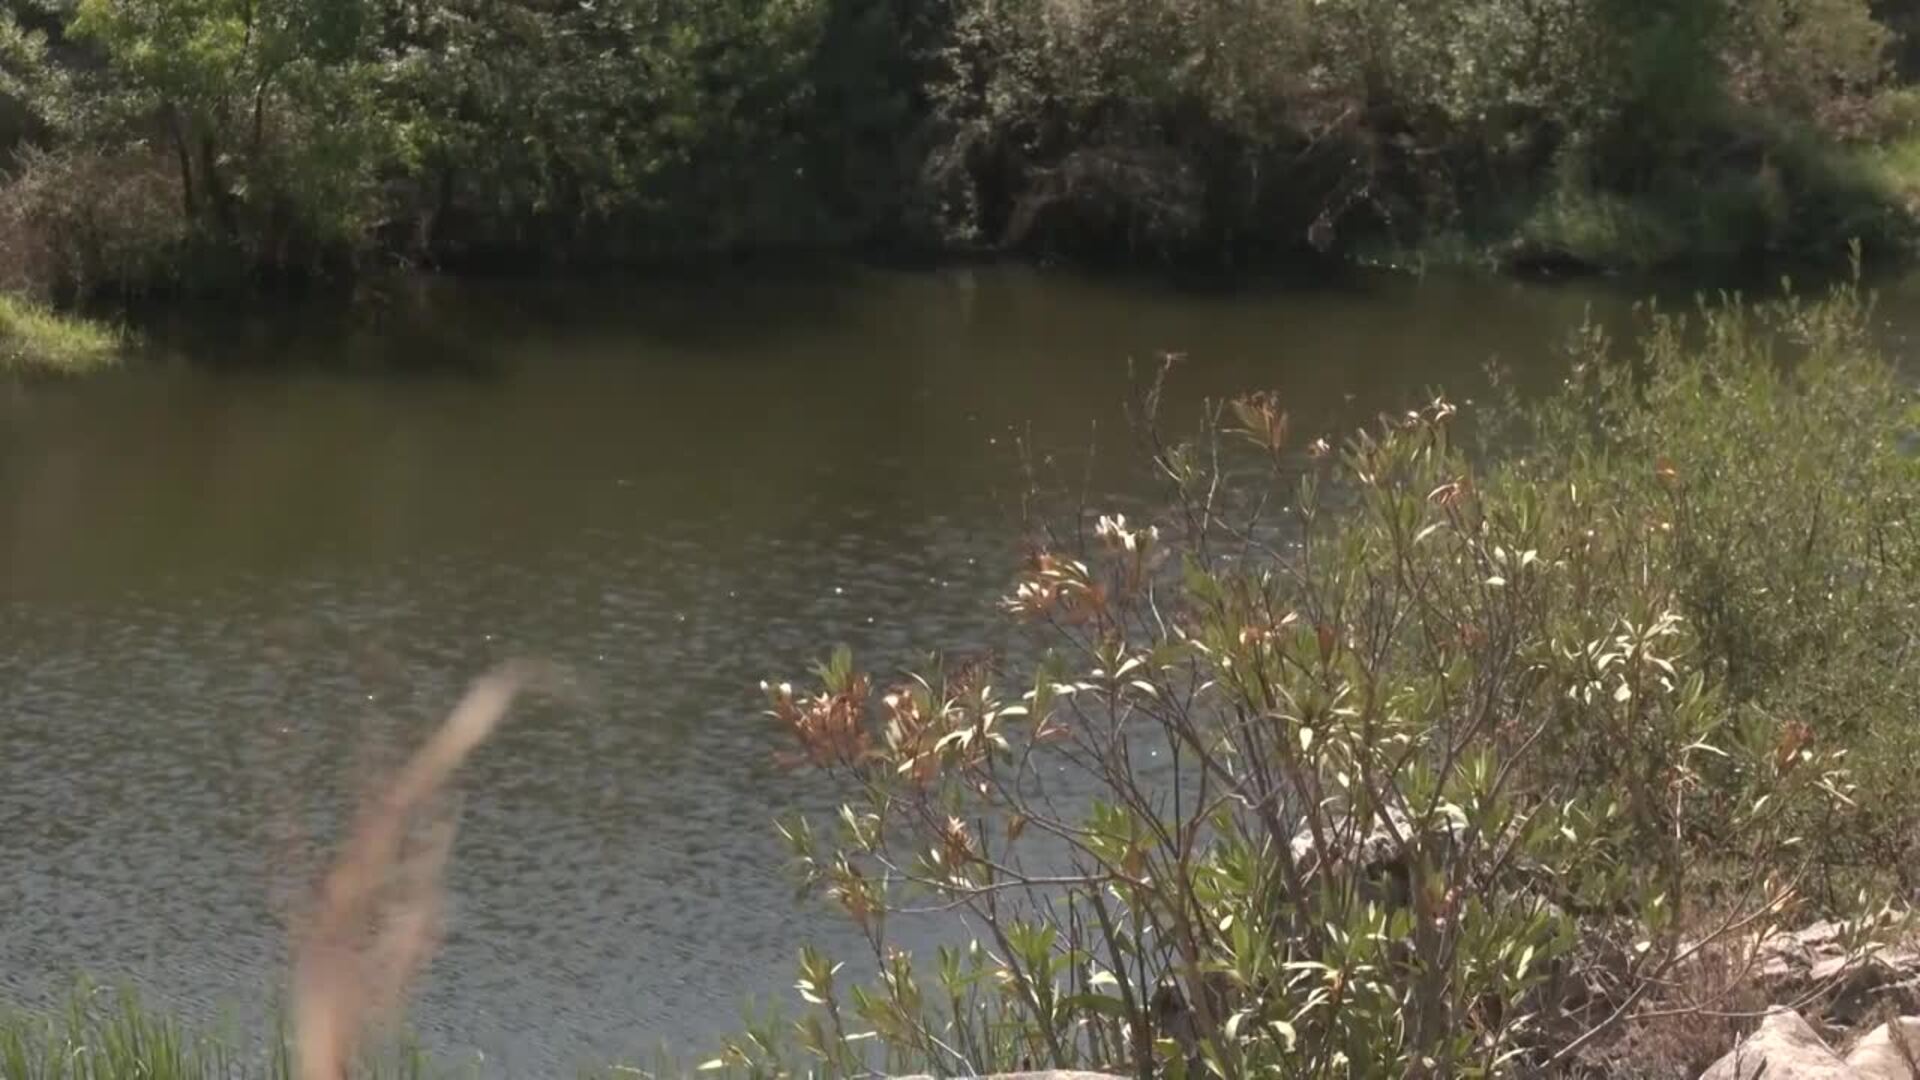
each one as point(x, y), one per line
point(232, 577)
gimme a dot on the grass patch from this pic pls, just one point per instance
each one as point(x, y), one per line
point(37, 339)
point(110, 1035)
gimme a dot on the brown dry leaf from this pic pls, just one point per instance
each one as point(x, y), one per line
point(1794, 736)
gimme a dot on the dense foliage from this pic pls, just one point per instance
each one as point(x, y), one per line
point(1395, 760)
point(292, 138)
point(157, 142)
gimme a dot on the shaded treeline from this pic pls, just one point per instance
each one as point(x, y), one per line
point(161, 144)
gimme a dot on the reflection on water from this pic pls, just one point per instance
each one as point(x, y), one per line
point(221, 582)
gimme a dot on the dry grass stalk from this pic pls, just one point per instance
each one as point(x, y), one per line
point(377, 916)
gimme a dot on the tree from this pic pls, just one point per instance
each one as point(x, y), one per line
point(270, 108)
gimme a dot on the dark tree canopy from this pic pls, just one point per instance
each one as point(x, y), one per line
point(304, 137)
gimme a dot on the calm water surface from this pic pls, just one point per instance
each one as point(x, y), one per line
point(226, 582)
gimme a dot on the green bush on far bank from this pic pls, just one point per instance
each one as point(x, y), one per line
point(1797, 199)
point(37, 340)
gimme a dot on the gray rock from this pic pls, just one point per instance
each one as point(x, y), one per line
point(1378, 846)
point(1787, 1048)
point(1828, 968)
point(1784, 1048)
point(1851, 985)
point(1888, 1051)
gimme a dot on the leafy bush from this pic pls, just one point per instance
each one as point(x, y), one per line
point(302, 138)
point(632, 128)
point(1392, 760)
point(1788, 487)
point(77, 221)
point(1808, 57)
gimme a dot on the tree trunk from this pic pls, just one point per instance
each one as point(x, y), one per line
point(440, 225)
point(219, 200)
point(178, 133)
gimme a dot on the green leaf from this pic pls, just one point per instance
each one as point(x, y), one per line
point(1101, 1004)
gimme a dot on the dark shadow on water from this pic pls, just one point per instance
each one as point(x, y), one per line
point(435, 325)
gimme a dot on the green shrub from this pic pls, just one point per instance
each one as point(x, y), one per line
point(1787, 483)
point(633, 129)
point(1808, 58)
point(1393, 760)
point(76, 220)
point(1600, 229)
